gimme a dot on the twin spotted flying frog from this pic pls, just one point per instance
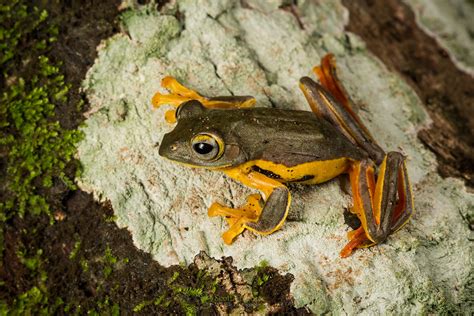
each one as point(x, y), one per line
point(265, 148)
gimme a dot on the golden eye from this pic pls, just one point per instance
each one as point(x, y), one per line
point(207, 146)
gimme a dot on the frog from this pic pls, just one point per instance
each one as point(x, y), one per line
point(269, 148)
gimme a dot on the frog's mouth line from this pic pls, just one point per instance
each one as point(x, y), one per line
point(197, 166)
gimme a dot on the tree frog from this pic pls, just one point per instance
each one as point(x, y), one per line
point(266, 148)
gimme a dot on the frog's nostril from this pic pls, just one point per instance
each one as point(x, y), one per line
point(173, 147)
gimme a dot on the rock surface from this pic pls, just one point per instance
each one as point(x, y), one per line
point(222, 48)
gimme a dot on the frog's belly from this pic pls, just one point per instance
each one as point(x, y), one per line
point(308, 173)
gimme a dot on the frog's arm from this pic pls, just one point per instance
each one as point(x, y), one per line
point(180, 94)
point(262, 220)
point(383, 207)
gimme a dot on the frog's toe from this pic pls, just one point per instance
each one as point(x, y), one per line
point(236, 229)
point(217, 209)
point(177, 88)
point(237, 218)
point(357, 239)
point(177, 96)
point(160, 99)
point(170, 116)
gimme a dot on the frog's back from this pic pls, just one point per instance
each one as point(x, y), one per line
point(289, 137)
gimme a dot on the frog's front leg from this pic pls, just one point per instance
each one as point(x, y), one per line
point(261, 219)
point(180, 94)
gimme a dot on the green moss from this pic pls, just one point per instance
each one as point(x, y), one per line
point(84, 265)
point(260, 279)
point(110, 219)
point(33, 263)
point(17, 21)
point(105, 307)
point(173, 278)
point(34, 146)
point(75, 250)
point(191, 299)
point(35, 301)
point(37, 147)
point(109, 261)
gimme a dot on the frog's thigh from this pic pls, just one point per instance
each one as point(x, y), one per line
point(325, 106)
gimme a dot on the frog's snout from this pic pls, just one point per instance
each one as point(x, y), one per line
point(173, 148)
point(167, 148)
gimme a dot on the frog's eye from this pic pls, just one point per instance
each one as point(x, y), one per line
point(207, 146)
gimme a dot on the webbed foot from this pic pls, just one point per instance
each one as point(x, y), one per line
point(237, 217)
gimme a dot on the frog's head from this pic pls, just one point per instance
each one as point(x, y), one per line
point(202, 138)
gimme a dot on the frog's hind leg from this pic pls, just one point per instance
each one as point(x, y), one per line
point(383, 206)
point(331, 102)
point(180, 94)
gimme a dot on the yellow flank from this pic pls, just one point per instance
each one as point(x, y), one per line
point(321, 171)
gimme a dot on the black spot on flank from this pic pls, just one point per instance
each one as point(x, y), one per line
point(267, 173)
point(304, 178)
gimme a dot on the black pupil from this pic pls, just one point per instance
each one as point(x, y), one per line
point(203, 148)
